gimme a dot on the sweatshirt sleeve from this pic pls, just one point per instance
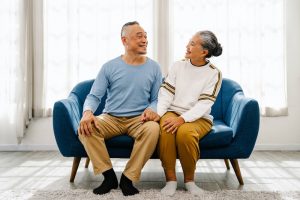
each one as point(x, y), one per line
point(97, 91)
point(166, 92)
point(155, 89)
point(206, 99)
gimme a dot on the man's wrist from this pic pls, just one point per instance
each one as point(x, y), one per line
point(87, 112)
point(149, 109)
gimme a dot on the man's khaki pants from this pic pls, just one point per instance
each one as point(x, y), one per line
point(145, 137)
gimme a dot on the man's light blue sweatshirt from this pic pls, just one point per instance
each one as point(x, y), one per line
point(130, 89)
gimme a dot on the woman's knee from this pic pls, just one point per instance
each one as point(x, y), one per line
point(185, 135)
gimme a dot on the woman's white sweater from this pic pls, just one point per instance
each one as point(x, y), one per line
point(189, 90)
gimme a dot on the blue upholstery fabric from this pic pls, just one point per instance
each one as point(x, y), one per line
point(220, 135)
point(236, 125)
point(66, 114)
point(123, 141)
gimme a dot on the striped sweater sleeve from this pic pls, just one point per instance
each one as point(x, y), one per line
point(206, 98)
point(166, 92)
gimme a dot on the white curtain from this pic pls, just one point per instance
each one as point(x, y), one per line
point(80, 36)
point(48, 46)
point(252, 34)
point(15, 69)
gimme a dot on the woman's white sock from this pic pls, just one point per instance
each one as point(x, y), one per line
point(194, 189)
point(170, 188)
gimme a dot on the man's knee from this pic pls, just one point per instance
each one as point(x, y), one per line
point(95, 133)
point(152, 128)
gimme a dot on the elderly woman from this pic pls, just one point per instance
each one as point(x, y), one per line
point(184, 104)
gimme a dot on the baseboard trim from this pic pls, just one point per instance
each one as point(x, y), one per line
point(277, 147)
point(25, 147)
point(40, 147)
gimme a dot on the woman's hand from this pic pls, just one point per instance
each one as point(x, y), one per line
point(172, 124)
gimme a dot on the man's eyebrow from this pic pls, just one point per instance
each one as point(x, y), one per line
point(140, 33)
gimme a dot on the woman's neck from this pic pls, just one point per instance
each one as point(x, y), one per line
point(198, 63)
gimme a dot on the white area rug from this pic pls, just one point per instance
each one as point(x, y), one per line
point(80, 194)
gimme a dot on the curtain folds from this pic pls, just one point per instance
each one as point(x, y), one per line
point(15, 69)
point(39, 78)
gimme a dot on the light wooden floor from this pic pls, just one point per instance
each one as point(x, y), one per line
point(263, 171)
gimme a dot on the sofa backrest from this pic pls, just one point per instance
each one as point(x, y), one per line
point(228, 89)
point(82, 89)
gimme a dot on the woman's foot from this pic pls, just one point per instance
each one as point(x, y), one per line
point(170, 188)
point(193, 189)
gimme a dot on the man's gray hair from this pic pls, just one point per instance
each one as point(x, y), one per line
point(124, 27)
point(210, 43)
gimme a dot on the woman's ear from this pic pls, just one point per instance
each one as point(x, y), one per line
point(205, 52)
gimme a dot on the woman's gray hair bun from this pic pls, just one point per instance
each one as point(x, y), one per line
point(210, 43)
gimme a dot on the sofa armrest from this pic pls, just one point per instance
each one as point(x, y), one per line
point(66, 118)
point(243, 116)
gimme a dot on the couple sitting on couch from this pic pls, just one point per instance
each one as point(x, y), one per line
point(137, 101)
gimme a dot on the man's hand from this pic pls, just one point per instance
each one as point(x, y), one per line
point(85, 125)
point(149, 115)
point(172, 124)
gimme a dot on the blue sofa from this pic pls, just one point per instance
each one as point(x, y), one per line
point(233, 136)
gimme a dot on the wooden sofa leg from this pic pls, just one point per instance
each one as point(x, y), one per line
point(227, 164)
point(236, 167)
point(87, 162)
point(76, 162)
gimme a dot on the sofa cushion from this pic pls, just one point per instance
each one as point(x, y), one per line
point(122, 141)
point(220, 135)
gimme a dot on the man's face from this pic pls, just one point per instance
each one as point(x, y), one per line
point(135, 40)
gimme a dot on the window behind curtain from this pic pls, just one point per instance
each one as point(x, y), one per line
point(252, 35)
point(82, 35)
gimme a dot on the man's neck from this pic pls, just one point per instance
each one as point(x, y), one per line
point(133, 59)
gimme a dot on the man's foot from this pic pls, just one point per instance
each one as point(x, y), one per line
point(126, 186)
point(110, 182)
point(170, 188)
point(194, 189)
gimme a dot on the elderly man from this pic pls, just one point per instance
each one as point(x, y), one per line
point(132, 81)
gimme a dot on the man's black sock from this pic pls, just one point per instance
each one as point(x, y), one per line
point(126, 186)
point(110, 182)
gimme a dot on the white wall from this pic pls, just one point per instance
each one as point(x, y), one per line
point(39, 136)
point(277, 133)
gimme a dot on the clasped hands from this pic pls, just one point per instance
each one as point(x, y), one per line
point(149, 115)
point(170, 125)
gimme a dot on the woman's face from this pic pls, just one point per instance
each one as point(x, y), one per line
point(194, 49)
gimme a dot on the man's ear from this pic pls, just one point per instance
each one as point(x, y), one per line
point(124, 40)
